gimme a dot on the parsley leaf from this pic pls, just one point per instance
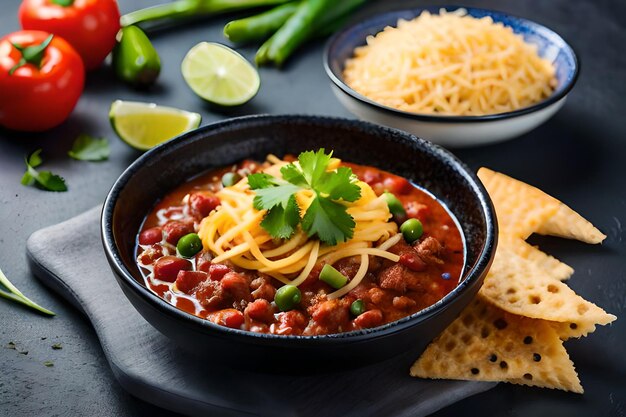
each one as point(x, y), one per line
point(45, 180)
point(326, 216)
point(87, 148)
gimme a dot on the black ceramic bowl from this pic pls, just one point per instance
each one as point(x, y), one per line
point(163, 168)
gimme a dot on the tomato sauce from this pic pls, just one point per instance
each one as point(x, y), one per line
point(230, 296)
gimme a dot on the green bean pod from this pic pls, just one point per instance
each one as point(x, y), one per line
point(259, 27)
point(135, 60)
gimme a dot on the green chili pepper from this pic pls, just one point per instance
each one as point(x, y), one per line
point(134, 58)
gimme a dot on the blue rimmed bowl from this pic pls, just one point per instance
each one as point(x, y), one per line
point(454, 131)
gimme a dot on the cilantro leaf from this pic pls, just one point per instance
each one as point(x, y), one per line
point(45, 180)
point(329, 220)
point(270, 197)
point(282, 222)
point(260, 180)
point(87, 148)
point(34, 159)
point(326, 216)
point(293, 174)
point(314, 165)
point(50, 182)
point(340, 185)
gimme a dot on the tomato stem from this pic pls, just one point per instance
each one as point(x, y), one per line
point(64, 3)
point(31, 54)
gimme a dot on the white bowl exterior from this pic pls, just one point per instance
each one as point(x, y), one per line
point(452, 134)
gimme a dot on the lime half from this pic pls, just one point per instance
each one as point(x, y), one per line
point(144, 125)
point(220, 75)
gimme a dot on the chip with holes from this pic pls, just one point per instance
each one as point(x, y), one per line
point(513, 330)
point(519, 286)
point(487, 344)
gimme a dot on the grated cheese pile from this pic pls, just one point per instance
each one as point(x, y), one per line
point(450, 64)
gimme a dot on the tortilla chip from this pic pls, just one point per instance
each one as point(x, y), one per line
point(488, 344)
point(519, 286)
point(573, 330)
point(521, 209)
point(571, 225)
point(550, 266)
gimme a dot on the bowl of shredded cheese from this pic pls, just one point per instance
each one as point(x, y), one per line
point(456, 76)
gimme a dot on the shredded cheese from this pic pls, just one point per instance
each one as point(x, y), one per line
point(233, 232)
point(450, 64)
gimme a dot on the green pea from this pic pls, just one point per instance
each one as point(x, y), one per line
point(412, 230)
point(287, 297)
point(333, 277)
point(230, 178)
point(189, 245)
point(395, 206)
point(357, 307)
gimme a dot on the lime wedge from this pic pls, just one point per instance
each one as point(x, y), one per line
point(220, 75)
point(145, 125)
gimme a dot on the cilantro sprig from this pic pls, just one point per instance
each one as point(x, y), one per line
point(88, 148)
point(43, 179)
point(326, 216)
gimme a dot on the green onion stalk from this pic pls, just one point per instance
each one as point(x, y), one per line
point(188, 8)
point(311, 18)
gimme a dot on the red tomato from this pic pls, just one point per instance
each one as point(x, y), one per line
point(89, 26)
point(38, 97)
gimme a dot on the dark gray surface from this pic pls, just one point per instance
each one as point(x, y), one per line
point(151, 367)
point(578, 156)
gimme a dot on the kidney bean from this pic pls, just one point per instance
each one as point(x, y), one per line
point(167, 268)
point(175, 229)
point(370, 318)
point(228, 317)
point(412, 261)
point(186, 281)
point(201, 204)
point(217, 271)
point(151, 236)
point(397, 185)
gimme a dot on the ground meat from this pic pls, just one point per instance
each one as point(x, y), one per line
point(237, 286)
point(330, 314)
point(348, 266)
point(260, 310)
point(430, 250)
point(210, 295)
point(290, 322)
point(403, 303)
point(393, 278)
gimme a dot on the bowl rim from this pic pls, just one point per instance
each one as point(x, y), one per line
point(337, 79)
point(472, 273)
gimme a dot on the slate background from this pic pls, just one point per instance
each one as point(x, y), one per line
point(578, 156)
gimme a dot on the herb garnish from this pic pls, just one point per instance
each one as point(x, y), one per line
point(43, 179)
point(326, 217)
point(15, 295)
point(88, 148)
